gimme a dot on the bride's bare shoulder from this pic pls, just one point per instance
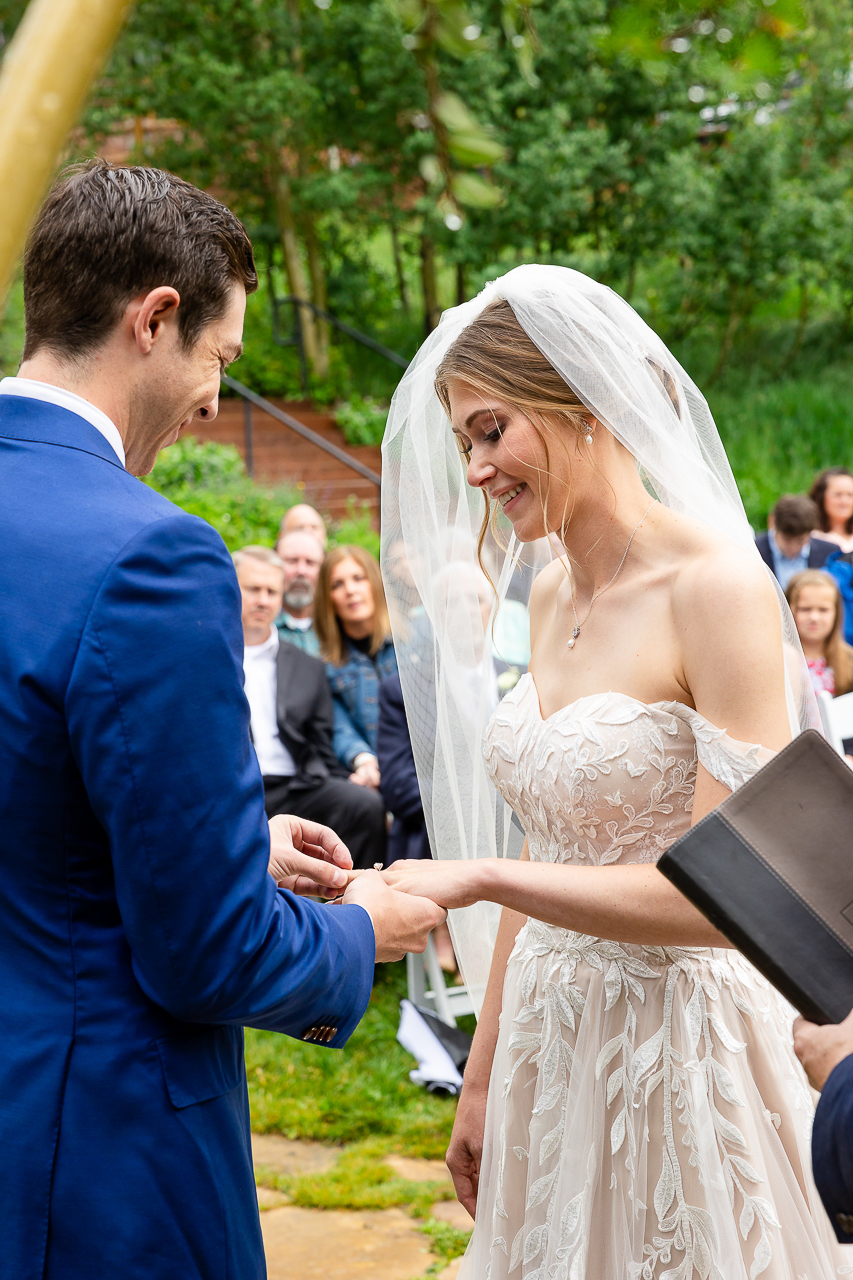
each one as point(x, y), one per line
point(718, 583)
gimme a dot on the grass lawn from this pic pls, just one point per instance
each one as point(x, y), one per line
point(328, 1095)
point(361, 1098)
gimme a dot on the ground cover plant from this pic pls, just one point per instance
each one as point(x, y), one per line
point(301, 1091)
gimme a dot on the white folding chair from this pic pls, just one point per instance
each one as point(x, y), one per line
point(836, 715)
point(428, 989)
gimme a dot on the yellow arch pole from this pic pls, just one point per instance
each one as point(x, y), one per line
point(44, 80)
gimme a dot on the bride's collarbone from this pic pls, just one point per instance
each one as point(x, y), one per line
point(641, 663)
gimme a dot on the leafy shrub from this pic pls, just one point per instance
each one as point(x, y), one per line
point(362, 420)
point(208, 480)
point(197, 464)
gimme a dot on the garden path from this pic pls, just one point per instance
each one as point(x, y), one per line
point(341, 1244)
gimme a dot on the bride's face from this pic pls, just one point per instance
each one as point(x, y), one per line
point(506, 458)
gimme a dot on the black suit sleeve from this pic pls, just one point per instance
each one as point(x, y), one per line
point(400, 789)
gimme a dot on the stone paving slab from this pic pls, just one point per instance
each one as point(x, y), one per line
point(414, 1169)
point(453, 1212)
point(343, 1244)
point(284, 1155)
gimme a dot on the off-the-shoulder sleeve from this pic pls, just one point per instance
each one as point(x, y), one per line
point(731, 762)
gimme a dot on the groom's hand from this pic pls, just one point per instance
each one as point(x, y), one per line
point(401, 921)
point(306, 857)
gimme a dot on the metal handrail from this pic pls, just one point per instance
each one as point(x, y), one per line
point(364, 338)
point(252, 398)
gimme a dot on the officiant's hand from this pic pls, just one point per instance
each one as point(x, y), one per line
point(306, 857)
point(820, 1049)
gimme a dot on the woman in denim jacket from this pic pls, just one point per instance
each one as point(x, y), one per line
point(351, 622)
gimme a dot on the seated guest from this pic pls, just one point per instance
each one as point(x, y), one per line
point(832, 494)
point(304, 519)
point(401, 792)
point(292, 721)
point(818, 611)
point(351, 621)
point(789, 546)
point(827, 1055)
point(400, 788)
point(301, 555)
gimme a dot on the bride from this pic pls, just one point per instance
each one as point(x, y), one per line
point(632, 1109)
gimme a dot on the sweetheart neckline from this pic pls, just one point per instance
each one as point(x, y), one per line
point(606, 693)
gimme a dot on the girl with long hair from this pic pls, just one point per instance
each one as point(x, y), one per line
point(818, 611)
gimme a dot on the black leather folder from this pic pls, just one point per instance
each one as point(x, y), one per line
point(772, 868)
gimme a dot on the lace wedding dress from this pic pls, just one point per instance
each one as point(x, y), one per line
point(647, 1119)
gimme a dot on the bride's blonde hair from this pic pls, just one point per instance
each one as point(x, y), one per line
point(495, 356)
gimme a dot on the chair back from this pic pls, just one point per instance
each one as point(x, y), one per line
point(836, 715)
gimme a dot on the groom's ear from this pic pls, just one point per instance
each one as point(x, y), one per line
point(148, 315)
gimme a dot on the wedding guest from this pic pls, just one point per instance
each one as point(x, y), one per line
point(301, 554)
point(789, 545)
point(401, 792)
point(292, 719)
point(827, 1055)
point(400, 787)
point(304, 518)
point(832, 493)
point(351, 621)
point(818, 611)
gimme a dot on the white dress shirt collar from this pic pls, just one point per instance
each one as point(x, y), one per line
point(268, 645)
point(50, 394)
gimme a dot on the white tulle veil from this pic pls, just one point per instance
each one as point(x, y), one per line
point(458, 646)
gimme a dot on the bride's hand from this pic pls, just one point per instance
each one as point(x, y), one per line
point(450, 884)
point(465, 1153)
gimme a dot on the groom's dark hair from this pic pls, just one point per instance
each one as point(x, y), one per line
point(106, 234)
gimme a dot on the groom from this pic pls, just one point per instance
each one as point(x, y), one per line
point(139, 929)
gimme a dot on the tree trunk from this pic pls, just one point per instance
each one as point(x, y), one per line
point(318, 292)
point(735, 317)
point(802, 321)
point(296, 277)
point(398, 267)
point(432, 311)
point(461, 292)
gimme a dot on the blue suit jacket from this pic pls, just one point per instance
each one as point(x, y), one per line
point(832, 1149)
point(139, 929)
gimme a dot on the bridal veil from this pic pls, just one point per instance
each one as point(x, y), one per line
point(459, 642)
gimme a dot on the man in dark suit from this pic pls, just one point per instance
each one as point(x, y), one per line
point(827, 1055)
point(139, 927)
point(788, 546)
point(293, 719)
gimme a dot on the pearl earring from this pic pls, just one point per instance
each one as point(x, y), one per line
point(589, 437)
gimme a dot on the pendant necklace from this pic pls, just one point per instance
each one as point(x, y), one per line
point(576, 629)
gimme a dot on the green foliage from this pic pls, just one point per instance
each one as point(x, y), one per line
point(447, 1241)
point(779, 435)
point(360, 1179)
point(12, 330)
point(362, 420)
point(209, 481)
point(303, 1091)
point(356, 528)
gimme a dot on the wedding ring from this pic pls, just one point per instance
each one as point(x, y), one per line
point(377, 866)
